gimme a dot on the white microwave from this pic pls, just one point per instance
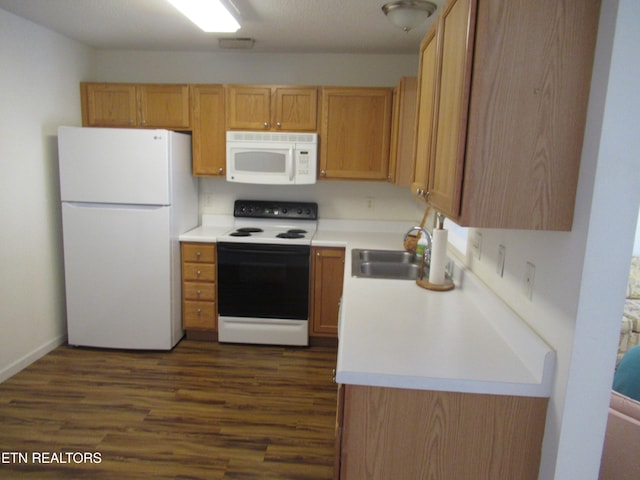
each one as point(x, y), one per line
point(272, 158)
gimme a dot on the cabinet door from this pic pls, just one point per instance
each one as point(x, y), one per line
point(248, 107)
point(108, 104)
point(403, 129)
point(295, 109)
point(455, 44)
point(327, 274)
point(208, 133)
point(424, 128)
point(164, 106)
point(355, 133)
point(415, 434)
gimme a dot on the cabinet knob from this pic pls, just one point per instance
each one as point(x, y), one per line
point(198, 292)
point(131, 122)
point(221, 170)
point(198, 254)
point(198, 273)
point(266, 124)
point(323, 173)
point(278, 124)
point(198, 311)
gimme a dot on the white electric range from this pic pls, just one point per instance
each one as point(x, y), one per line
point(264, 273)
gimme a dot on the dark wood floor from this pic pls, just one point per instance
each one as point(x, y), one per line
point(203, 411)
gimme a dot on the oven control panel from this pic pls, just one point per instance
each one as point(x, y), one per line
point(275, 209)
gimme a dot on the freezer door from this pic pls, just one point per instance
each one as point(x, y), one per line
point(118, 276)
point(111, 165)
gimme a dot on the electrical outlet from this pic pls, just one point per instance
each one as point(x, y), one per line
point(476, 245)
point(370, 203)
point(502, 251)
point(529, 277)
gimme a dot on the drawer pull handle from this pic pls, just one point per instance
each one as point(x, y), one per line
point(198, 273)
point(198, 292)
point(198, 311)
point(198, 254)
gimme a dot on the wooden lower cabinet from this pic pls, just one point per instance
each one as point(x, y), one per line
point(386, 433)
point(199, 309)
point(327, 272)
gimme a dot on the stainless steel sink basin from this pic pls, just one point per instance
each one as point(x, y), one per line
point(392, 264)
point(386, 256)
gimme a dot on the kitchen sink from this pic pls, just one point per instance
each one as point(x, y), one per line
point(386, 256)
point(392, 264)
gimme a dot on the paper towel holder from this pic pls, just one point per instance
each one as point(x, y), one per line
point(425, 283)
point(446, 286)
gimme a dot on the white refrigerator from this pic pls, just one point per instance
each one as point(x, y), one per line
point(126, 197)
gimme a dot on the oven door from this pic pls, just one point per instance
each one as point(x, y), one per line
point(263, 281)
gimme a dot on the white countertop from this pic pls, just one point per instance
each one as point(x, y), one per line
point(395, 334)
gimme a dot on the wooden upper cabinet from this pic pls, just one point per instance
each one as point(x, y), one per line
point(109, 105)
point(355, 132)
point(403, 129)
point(164, 106)
point(135, 105)
point(508, 102)
point(208, 134)
point(455, 39)
point(424, 119)
point(262, 107)
point(295, 108)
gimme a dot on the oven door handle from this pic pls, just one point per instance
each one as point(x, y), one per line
point(257, 248)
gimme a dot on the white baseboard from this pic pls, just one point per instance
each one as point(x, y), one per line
point(13, 368)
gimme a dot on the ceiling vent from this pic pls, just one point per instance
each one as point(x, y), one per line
point(236, 43)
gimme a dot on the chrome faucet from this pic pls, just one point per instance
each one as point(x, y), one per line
point(426, 255)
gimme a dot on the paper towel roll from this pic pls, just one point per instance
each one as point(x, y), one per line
point(438, 256)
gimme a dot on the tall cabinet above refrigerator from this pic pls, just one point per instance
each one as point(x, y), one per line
point(126, 197)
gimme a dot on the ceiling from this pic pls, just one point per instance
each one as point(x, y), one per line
point(291, 26)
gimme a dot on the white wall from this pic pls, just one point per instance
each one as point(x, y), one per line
point(336, 199)
point(38, 92)
point(248, 67)
point(581, 276)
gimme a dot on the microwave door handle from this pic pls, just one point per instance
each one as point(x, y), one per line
point(291, 164)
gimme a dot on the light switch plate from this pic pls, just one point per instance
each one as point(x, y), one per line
point(529, 277)
point(476, 245)
point(502, 251)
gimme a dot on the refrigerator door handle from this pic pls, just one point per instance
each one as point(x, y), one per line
point(122, 206)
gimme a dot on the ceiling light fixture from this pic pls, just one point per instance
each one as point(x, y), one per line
point(209, 15)
point(408, 14)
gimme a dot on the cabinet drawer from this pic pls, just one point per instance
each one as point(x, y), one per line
point(199, 315)
point(199, 291)
point(199, 271)
point(199, 252)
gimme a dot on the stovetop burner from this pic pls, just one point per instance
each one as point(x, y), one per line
point(277, 222)
point(290, 235)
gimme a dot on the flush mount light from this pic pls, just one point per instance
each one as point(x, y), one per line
point(408, 14)
point(209, 15)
